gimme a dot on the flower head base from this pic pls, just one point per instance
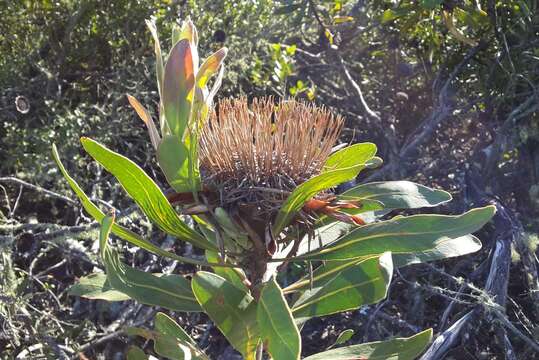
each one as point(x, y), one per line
point(265, 147)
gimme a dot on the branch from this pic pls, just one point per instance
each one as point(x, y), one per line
point(37, 188)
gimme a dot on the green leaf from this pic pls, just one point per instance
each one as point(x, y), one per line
point(395, 195)
point(340, 167)
point(234, 275)
point(118, 230)
point(145, 192)
point(231, 228)
point(357, 154)
point(95, 286)
point(165, 325)
point(409, 235)
point(169, 291)
point(173, 342)
point(232, 310)
point(322, 274)
point(279, 332)
point(134, 353)
point(173, 158)
point(210, 66)
point(145, 116)
point(395, 349)
point(159, 67)
point(178, 83)
point(362, 284)
point(344, 336)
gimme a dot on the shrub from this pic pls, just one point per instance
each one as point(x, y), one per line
point(252, 186)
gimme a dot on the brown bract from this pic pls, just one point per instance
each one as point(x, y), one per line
point(257, 153)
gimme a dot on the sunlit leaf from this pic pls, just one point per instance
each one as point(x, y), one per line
point(395, 195)
point(95, 286)
point(232, 310)
point(145, 192)
point(173, 158)
point(277, 328)
point(210, 66)
point(169, 291)
point(408, 235)
point(358, 285)
point(144, 114)
point(396, 349)
point(342, 166)
point(179, 79)
point(118, 230)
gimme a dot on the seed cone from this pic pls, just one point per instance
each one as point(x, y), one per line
point(257, 153)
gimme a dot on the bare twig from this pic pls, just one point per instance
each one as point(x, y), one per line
point(37, 188)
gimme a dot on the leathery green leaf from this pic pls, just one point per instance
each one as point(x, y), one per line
point(95, 286)
point(135, 353)
point(362, 284)
point(173, 342)
point(277, 328)
point(409, 235)
point(145, 116)
point(235, 275)
point(210, 66)
point(159, 67)
point(396, 195)
point(232, 310)
point(350, 156)
point(165, 325)
point(119, 230)
point(173, 158)
point(169, 291)
point(145, 192)
point(340, 167)
point(178, 83)
point(396, 349)
point(344, 337)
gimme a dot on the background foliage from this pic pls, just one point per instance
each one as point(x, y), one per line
point(453, 107)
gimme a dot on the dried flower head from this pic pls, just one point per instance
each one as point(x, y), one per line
point(265, 147)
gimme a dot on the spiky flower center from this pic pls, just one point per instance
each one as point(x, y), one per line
point(265, 146)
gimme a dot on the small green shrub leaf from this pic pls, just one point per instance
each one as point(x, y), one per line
point(145, 192)
point(357, 154)
point(173, 158)
point(210, 66)
point(409, 235)
point(340, 167)
point(234, 275)
point(178, 83)
point(173, 342)
point(118, 230)
point(135, 353)
point(232, 310)
point(397, 349)
point(344, 336)
point(362, 284)
point(279, 332)
point(165, 325)
point(396, 195)
point(95, 286)
point(169, 291)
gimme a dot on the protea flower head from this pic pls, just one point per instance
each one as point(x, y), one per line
point(256, 154)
